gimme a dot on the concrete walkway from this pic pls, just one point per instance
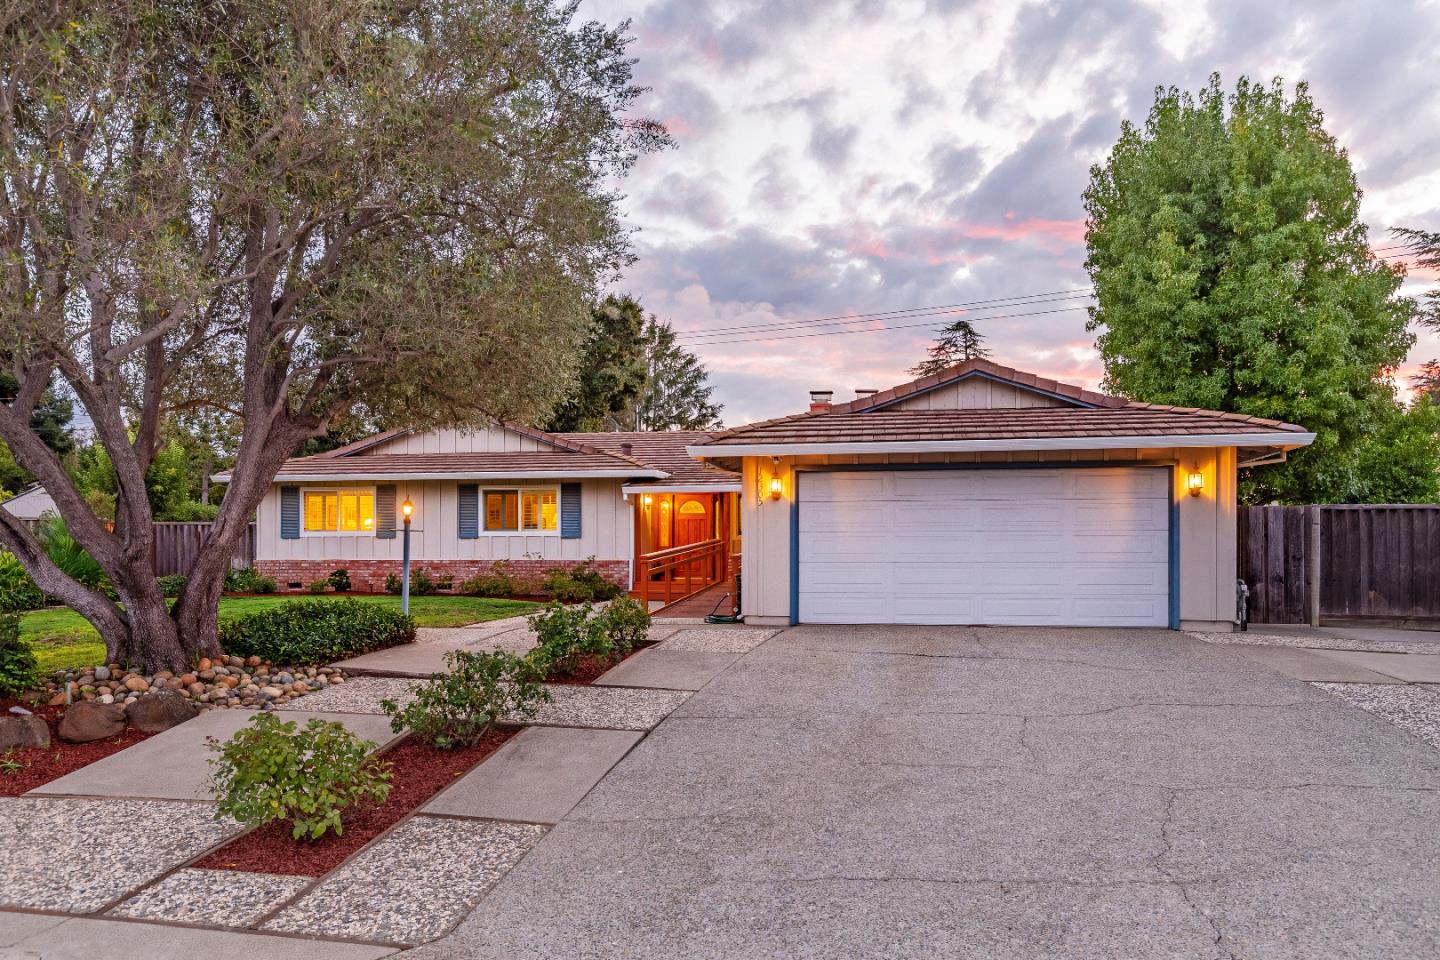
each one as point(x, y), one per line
point(990, 793)
point(40, 937)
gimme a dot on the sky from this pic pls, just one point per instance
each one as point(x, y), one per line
point(842, 157)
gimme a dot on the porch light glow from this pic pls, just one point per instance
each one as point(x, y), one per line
point(647, 500)
point(1195, 483)
point(776, 487)
point(407, 508)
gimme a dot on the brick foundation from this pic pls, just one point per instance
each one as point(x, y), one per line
point(368, 576)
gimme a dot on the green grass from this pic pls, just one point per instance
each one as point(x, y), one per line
point(63, 639)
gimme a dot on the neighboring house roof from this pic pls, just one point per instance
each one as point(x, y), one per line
point(32, 503)
point(1085, 420)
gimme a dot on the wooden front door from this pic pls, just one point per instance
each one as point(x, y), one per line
point(693, 519)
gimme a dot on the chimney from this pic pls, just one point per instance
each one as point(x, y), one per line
point(865, 393)
point(625, 449)
point(820, 400)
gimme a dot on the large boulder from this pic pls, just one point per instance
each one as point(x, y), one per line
point(21, 733)
point(160, 711)
point(84, 722)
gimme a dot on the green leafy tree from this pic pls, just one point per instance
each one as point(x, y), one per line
point(1399, 462)
point(677, 386)
point(285, 210)
point(1232, 272)
point(612, 368)
point(958, 341)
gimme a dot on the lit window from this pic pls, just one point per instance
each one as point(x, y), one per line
point(339, 511)
point(521, 510)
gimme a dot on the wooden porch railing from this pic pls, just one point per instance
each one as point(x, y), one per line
point(702, 564)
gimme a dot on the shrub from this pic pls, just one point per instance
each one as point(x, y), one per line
point(581, 582)
point(421, 584)
point(67, 554)
point(19, 670)
point(319, 586)
point(626, 622)
point(306, 632)
point(308, 778)
point(340, 580)
point(457, 708)
point(248, 580)
point(18, 591)
point(567, 635)
point(172, 584)
point(501, 581)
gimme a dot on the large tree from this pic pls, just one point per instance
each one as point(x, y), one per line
point(281, 209)
point(612, 368)
point(677, 393)
point(1232, 272)
point(958, 341)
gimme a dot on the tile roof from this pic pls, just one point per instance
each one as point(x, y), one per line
point(880, 426)
point(557, 462)
point(961, 370)
point(662, 449)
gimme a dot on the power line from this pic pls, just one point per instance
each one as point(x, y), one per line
point(907, 326)
point(897, 314)
point(786, 325)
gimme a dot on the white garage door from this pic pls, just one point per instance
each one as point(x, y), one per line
point(1084, 546)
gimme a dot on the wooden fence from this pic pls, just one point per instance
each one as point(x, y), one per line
point(178, 544)
point(1335, 561)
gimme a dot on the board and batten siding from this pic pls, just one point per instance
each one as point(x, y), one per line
point(977, 393)
point(1207, 523)
point(605, 533)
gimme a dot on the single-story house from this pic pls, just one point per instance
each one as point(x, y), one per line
point(979, 495)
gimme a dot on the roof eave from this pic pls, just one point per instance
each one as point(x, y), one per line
point(1283, 440)
point(363, 476)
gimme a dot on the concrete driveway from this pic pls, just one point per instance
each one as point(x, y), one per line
point(990, 793)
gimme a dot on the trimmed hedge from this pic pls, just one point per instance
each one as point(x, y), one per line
point(18, 669)
point(307, 632)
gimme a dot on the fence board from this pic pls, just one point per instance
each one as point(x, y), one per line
point(178, 544)
point(1376, 560)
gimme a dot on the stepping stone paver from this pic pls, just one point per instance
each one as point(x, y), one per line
point(537, 776)
point(1410, 667)
point(86, 938)
point(1311, 665)
point(174, 765)
point(78, 855)
point(414, 884)
point(220, 898)
point(664, 669)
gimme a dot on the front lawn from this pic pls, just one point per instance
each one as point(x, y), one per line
point(63, 639)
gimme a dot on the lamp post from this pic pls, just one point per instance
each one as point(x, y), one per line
point(406, 509)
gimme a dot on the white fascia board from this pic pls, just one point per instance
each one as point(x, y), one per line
point(471, 475)
point(683, 488)
point(1285, 440)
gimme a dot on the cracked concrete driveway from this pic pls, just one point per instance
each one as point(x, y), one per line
point(990, 793)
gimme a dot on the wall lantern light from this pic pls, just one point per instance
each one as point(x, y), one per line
point(776, 487)
point(1195, 483)
point(647, 500)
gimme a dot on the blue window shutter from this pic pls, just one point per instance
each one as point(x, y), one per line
point(569, 511)
point(385, 512)
point(469, 511)
point(289, 513)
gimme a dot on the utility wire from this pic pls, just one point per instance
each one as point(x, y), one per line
point(904, 326)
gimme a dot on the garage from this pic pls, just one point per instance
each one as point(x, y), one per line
point(1087, 546)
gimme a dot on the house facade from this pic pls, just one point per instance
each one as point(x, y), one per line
point(981, 495)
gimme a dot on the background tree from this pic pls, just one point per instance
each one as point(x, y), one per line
point(677, 386)
point(1232, 272)
point(1425, 246)
point(612, 368)
point(278, 209)
point(959, 341)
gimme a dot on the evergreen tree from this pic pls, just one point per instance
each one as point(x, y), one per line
point(1425, 246)
point(612, 368)
point(958, 342)
point(677, 388)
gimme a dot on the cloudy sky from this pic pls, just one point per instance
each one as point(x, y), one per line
point(840, 157)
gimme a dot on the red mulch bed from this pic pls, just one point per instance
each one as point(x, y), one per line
point(591, 669)
point(39, 767)
point(419, 772)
